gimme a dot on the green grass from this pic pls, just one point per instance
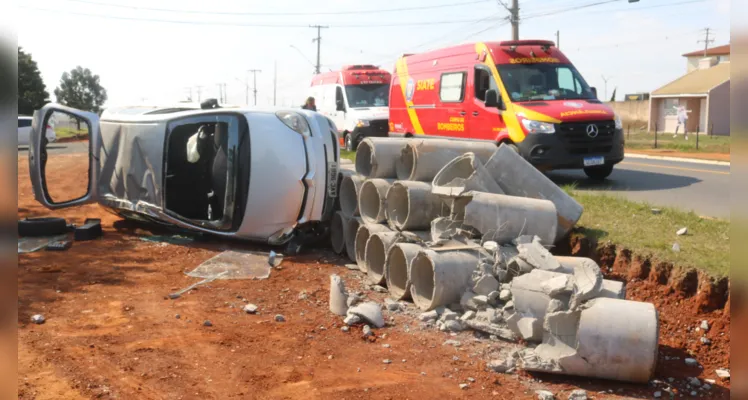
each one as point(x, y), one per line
point(64, 132)
point(707, 144)
point(350, 155)
point(633, 225)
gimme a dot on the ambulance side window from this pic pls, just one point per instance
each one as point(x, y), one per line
point(483, 82)
point(567, 81)
point(452, 87)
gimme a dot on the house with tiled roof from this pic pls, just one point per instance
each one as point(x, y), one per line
point(704, 90)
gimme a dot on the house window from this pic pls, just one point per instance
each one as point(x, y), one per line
point(452, 87)
point(671, 107)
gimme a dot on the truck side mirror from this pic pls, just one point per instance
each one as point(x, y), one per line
point(492, 99)
point(594, 91)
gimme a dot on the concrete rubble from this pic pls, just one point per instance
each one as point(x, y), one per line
point(465, 235)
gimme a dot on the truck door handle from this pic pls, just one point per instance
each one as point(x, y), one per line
point(462, 112)
point(475, 113)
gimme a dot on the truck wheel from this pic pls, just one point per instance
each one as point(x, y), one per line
point(598, 173)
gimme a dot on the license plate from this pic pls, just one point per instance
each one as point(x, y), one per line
point(591, 161)
point(332, 178)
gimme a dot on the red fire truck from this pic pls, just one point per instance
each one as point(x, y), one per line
point(524, 93)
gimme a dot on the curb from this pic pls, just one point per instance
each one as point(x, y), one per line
point(680, 159)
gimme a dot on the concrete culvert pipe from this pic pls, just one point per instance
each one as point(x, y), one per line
point(463, 174)
point(517, 177)
point(503, 218)
point(412, 206)
point(351, 228)
point(362, 237)
point(350, 187)
point(376, 157)
point(421, 159)
point(397, 270)
point(337, 232)
point(372, 199)
point(375, 255)
point(439, 279)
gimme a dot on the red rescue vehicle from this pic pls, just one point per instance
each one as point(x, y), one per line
point(356, 99)
point(524, 93)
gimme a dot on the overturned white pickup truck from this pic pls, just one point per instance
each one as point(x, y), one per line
point(262, 175)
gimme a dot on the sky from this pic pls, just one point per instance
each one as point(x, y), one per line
point(160, 51)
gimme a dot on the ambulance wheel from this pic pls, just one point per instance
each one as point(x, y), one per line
point(598, 173)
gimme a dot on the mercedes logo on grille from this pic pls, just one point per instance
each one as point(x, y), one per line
point(592, 131)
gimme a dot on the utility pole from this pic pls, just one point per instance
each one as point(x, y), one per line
point(254, 84)
point(706, 40)
point(275, 81)
point(606, 85)
point(199, 91)
point(318, 39)
point(515, 19)
point(189, 96)
point(220, 93)
point(558, 40)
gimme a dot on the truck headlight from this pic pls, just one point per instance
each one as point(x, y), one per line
point(619, 124)
point(362, 123)
point(294, 121)
point(538, 127)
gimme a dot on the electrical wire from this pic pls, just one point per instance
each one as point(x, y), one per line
point(349, 12)
point(237, 24)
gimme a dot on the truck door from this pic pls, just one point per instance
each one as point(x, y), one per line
point(341, 108)
point(451, 120)
point(485, 120)
point(64, 174)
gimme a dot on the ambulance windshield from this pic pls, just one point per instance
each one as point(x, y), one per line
point(361, 96)
point(544, 81)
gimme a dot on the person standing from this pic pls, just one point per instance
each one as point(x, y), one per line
point(309, 104)
point(682, 115)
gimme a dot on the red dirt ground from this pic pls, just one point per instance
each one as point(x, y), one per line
point(110, 332)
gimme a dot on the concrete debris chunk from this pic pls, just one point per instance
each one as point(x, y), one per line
point(280, 318)
point(545, 395)
point(555, 305)
point(353, 299)
point(492, 329)
point(464, 386)
point(657, 394)
point(682, 231)
point(345, 328)
point(392, 305)
point(588, 282)
point(448, 315)
point(723, 373)
point(366, 331)
point(578, 394)
point(387, 361)
point(250, 309)
point(452, 326)
point(535, 254)
point(676, 247)
point(704, 325)
point(530, 329)
point(428, 316)
point(38, 319)
point(451, 342)
point(338, 296)
point(502, 365)
point(470, 314)
point(505, 295)
point(351, 320)
point(704, 340)
point(693, 381)
point(370, 312)
point(485, 285)
point(556, 286)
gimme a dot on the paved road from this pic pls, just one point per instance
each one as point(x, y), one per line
point(703, 188)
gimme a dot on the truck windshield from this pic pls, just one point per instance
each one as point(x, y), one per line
point(544, 81)
point(360, 96)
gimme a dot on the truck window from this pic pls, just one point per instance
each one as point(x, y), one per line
point(371, 95)
point(483, 82)
point(544, 81)
point(452, 87)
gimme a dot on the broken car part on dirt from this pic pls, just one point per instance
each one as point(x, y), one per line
point(484, 264)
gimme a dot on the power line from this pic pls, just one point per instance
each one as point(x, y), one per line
point(349, 12)
point(568, 9)
point(235, 24)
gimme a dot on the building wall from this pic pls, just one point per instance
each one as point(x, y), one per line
point(631, 111)
point(719, 109)
point(664, 114)
point(692, 63)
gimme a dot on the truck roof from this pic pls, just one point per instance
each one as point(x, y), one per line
point(360, 74)
point(505, 52)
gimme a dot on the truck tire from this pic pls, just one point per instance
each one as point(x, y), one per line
point(49, 226)
point(598, 173)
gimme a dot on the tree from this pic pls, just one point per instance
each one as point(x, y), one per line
point(32, 94)
point(81, 89)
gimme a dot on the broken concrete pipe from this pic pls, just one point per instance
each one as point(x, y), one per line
point(397, 269)
point(610, 289)
point(375, 255)
point(412, 206)
point(439, 279)
point(421, 159)
point(517, 177)
point(350, 187)
point(337, 232)
point(362, 237)
point(609, 338)
point(463, 174)
point(338, 296)
point(503, 218)
point(376, 157)
point(350, 230)
point(372, 199)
